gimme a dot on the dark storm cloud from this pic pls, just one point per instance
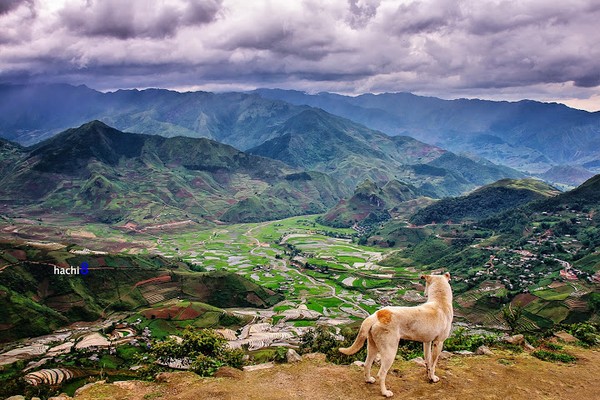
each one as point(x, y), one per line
point(9, 5)
point(439, 47)
point(419, 16)
point(136, 18)
point(201, 12)
point(361, 12)
point(588, 81)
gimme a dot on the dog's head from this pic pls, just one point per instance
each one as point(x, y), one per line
point(433, 279)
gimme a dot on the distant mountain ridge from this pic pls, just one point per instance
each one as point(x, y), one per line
point(32, 113)
point(527, 135)
point(301, 136)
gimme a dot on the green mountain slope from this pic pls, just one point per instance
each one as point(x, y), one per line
point(10, 153)
point(99, 173)
point(370, 203)
point(351, 153)
point(541, 256)
point(586, 195)
point(484, 202)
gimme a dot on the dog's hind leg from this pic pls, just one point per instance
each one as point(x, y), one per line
point(436, 349)
point(387, 345)
point(371, 354)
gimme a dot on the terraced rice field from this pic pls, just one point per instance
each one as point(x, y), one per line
point(158, 292)
point(52, 376)
point(257, 251)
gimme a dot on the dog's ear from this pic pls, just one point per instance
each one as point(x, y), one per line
point(447, 275)
point(423, 277)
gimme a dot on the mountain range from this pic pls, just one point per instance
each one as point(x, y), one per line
point(32, 113)
point(351, 153)
point(301, 160)
point(526, 135)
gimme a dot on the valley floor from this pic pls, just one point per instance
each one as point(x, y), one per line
point(499, 376)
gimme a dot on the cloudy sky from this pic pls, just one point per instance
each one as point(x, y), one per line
point(495, 49)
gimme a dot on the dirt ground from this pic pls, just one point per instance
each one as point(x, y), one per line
point(504, 375)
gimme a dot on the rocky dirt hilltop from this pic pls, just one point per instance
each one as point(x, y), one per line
point(502, 375)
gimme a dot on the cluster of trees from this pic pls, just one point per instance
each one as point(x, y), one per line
point(206, 350)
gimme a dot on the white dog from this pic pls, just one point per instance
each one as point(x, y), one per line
point(429, 323)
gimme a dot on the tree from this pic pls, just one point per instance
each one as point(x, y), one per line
point(512, 315)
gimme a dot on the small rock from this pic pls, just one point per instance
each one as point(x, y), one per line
point(17, 397)
point(258, 367)
point(419, 361)
point(292, 356)
point(529, 347)
point(464, 352)
point(565, 337)
point(62, 396)
point(35, 398)
point(516, 339)
point(444, 355)
point(484, 350)
point(359, 363)
point(128, 385)
point(84, 387)
point(162, 377)
point(228, 372)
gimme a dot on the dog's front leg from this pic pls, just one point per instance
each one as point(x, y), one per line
point(427, 356)
point(435, 353)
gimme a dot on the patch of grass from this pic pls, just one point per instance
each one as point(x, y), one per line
point(128, 352)
point(505, 361)
point(108, 361)
point(262, 355)
point(560, 293)
point(304, 323)
point(350, 259)
point(553, 356)
point(554, 346)
point(153, 395)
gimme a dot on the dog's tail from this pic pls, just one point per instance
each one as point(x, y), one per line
point(362, 336)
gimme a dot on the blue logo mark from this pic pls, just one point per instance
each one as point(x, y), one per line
point(83, 270)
